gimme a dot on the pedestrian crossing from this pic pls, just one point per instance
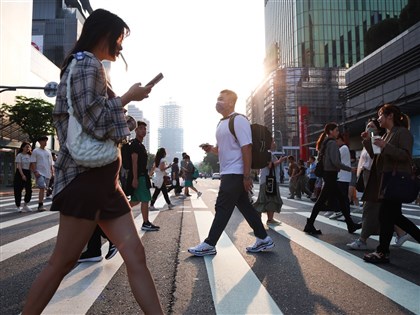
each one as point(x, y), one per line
point(235, 288)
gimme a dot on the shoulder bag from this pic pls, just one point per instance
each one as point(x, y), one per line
point(85, 149)
point(270, 182)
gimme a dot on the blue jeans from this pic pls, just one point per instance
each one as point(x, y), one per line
point(231, 194)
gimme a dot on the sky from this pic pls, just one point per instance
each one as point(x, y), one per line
point(201, 47)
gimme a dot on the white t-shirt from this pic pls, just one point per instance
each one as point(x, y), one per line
point(25, 160)
point(230, 154)
point(43, 161)
point(365, 162)
point(344, 176)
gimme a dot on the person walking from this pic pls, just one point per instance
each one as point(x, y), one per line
point(141, 179)
point(23, 177)
point(396, 149)
point(42, 167)
point(175, 177)
point(236, 182)
point(330, 155)
point(271, 202)
point(188, 170)
point(87, 197)
point(159, 179)
point(311, 174)
point(293, 179)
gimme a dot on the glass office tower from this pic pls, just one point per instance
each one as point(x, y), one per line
point(309, 46)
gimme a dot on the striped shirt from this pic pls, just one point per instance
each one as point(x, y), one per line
point(100, 116)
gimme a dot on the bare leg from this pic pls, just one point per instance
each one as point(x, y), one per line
point(122, 232)
point(66, 252)
point(400, 232)
point(41, 195)
point(144, 207)
point(270, 215)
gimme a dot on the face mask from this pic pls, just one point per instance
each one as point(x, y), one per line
point(220, 106)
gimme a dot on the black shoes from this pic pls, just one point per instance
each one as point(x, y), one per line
point(310, 229)
point(354, 227)
point(111, 252)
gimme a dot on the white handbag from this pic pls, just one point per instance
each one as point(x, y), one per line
point(85, 149)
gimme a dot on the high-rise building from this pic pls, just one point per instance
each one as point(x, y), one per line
point(170, 132)
point(309, 45)
point(137, 114)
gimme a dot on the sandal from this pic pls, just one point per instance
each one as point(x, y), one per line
point(376, 258)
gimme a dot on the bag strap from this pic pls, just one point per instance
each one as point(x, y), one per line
point(231, 123)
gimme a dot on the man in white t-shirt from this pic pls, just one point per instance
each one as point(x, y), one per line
point(235, 157)
point(343, 177)
point(42, 166)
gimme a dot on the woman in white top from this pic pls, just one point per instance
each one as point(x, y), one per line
point(270, 202)
point(23, 177)
point(159, 180)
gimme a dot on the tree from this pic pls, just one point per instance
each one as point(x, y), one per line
point(212, 160)
point(33, 115)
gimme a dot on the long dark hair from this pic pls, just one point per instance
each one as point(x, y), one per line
point(100, 24)
point(399, 118)
point(24, 144)
point(327, 129)
point(160, 154)
point(381, 131)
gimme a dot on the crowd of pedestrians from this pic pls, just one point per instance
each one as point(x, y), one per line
point(102, 209)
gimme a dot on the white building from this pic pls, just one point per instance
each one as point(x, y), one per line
point(170, 132)
point(137, 114)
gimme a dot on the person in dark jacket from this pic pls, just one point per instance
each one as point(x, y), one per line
point(332, 164)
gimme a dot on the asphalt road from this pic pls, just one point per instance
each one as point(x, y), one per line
point(302, 274)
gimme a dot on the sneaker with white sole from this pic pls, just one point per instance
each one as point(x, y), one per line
point(152, 208)
point(357, 245)
point(111, 252)
point(88, 257)
point(400, 240)
point(170, 206)
point(19, 209)
point(25, 208)
point(328, 213)
point(273, 222)
point(261, 245)
point(202, 249)
point(148, 226)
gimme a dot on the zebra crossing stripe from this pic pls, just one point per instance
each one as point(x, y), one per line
point(234, 286)
point(83, 285)
point(393, 287)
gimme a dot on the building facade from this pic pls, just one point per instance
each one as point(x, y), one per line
point(170, 131)
point(137, 114)
point(309, 46)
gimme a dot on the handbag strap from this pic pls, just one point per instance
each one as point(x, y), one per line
point(76, 57)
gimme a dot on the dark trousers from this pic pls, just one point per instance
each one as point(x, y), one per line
point(177, 187)
point(389, 215)
point(311, 184)
point(19, 184)
point(231, 194)
point(156, 193)
point(94, 245)
point(332, 191)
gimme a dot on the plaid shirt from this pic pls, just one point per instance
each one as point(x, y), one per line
point(100, 116)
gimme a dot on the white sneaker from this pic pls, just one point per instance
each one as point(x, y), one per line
point(152, 208)
point(25, 208)
point(328, 213)
point(170, 206)
point(357, 244)
point(202, 249)
point(261, 245)
point(399, 241)
point(19, 209)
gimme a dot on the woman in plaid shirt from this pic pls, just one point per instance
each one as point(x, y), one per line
point(84, 196)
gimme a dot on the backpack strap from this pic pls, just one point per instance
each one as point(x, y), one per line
point(232, 123)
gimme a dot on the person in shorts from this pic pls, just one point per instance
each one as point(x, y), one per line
point(42, 167)
point(141, 179)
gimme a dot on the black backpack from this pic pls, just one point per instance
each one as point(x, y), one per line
point(126, 155)
point(319, 168)
point(261, 143)
point(126, 172)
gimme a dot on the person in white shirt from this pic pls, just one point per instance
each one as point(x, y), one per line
point(235, 157)
point(23, 177)
point(42, 166)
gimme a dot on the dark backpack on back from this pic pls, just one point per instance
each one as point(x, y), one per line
point(126, 173)
point(319, 168)
point(261, 143)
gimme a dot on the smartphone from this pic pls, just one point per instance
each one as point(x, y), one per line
point(156, 79)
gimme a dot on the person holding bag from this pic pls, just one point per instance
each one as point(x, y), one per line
point(83, 204)
point(160, 168)
point(269, 199)
point(396, 149)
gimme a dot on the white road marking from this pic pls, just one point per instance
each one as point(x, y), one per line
point(235, 287)
point(393, 287)
point(83, 285)
point(34, 216)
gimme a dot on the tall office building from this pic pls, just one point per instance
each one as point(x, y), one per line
point(309, 45)
point(170, 132)
point(137, 114)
